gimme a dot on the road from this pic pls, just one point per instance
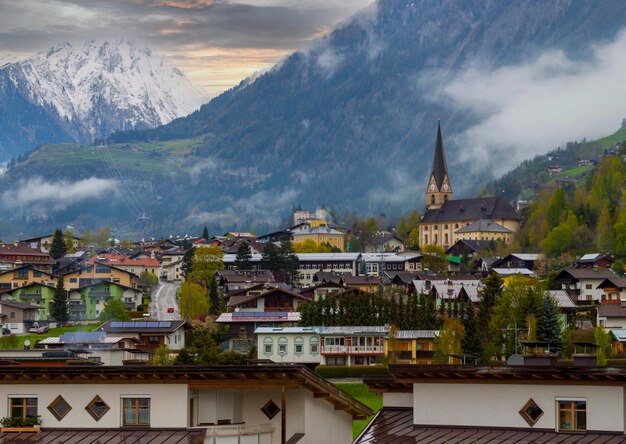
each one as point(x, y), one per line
point(164, 297)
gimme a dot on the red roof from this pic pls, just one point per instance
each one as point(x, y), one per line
point(117, 260)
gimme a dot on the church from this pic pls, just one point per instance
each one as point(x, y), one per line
point(447, 220)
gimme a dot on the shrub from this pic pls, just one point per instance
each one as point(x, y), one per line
point(10, 342)
point(356, 371)
point(18, 421)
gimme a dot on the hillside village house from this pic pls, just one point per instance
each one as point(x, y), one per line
point(96, 272)
point(18, 254)
point(583, 283)
point(17, 317)
point(134, 266)
point(320, 233)
point(43, 243)
point(39, 295)
point(87, 302)
point(150, 334)
point(25, 275)
point(505, 404)
point(391, 262)
point(264, 404)
point(447, 220)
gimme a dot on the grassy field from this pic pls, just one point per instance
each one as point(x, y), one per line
point(610, 141)
point(360, 392)
point(34, 338)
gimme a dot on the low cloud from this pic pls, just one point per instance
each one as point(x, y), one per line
point(55, 196)
point(402, 190)
point(260, 208)
point(529, 109)
point(201, 167)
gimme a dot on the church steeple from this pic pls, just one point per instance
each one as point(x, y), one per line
point(439, 189)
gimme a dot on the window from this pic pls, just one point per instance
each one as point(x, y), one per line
point(267, 346)
point(12, 315)
point(73, 280)
point(282, 346)
point(572, 415)
point(21, 407)
point(100, 268)
point(136, 411)
point(270, 409)
point(314, 344)
point(36, 273)
point(22, 273)
point(298, 345)
point(97, 408)
point(59, 407)
point(531, 412)
point(588, 286)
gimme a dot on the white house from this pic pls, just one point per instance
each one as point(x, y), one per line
point(190, 404)
point(582, 283)
point(512, 404)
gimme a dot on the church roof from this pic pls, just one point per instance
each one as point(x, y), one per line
point(440, 169)
point(484, 226)
point(471, 210)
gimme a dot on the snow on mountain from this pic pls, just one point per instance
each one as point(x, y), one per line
point(99, 87)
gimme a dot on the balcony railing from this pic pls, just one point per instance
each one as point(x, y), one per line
point(232, 433)
point(33, 296)
point(99, 294)
point(78, 307)
point(130, 305)
point(352, 350)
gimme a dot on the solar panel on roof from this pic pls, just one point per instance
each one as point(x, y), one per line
point(86, 336)
point(117, 324)
point(165, 324)
point(152, 324)
point(140, 324)
point(128, 324)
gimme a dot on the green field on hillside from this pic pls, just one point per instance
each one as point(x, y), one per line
point(360, 392)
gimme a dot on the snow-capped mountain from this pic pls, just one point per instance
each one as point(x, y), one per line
point(83, 92)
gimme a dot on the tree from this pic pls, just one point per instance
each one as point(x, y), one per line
point(548, 325)
point(148, 281)
point(603, 341)
point(605, 238)
point(449, 340)
point(434, 258)
point(58, 247)
point(59, 309)
point(290, 262)
point(162, 355)
point(214, 296)
point(471, 343)
point(205, 233)
point(68, 237)
point(205, 262)
point(192, 300)
point(114, 310)
point(102, 237)
point(187, 263)
point(244, 257)
point(491, 292)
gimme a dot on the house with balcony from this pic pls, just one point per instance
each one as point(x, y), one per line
point(87, 302)
point(234, 280)
point(501, 404)
point(582, 284)
point(150, 334)
point(261, 404)
point(322, 290)
point(34, 294)
point(411, 347)
point(369, 284)
point(352, 345)
point(18, 317)
point(25, 275)
point(18, 254)
point(99, 272)
point(377, 263)
point(43, 243)
point(134, 266)
point(265, 300)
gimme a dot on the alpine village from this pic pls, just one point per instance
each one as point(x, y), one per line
point(456, 303)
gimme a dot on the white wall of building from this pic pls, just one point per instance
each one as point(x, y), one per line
point(290, 340)
point(162, 399)
point(498, 405)
point(324, 424)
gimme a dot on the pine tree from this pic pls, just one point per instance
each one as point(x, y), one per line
point(205, 233)
point(471, 341)
point(244, 257)
point(491, 292)
point(187, 264)
point(214, 297)
point(59, 309)
point(58, 248)
point(548, 325)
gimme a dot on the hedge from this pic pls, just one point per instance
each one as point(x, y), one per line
point(355, 371)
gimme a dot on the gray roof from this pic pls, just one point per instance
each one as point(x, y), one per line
point(142, 326)
point(483, 225)
point(512, 271)
point(611, 311)
point(471, 210)
point(357, 330)
point(417, 334)
point(19, 305)
point(587, 273)
point(562, 299)
point(287, 330)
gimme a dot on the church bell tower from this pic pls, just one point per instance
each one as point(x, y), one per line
point(439, 189)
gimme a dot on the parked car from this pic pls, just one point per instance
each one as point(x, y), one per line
point(170, 310)
point(6, 331)
point(42, 330)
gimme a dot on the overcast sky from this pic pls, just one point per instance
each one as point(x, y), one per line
point(216, 43)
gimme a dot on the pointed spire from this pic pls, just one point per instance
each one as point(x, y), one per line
point(440, 169)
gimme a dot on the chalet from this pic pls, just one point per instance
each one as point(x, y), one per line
point(18, 317)
point(509, 274)
point(369, 284)
point(25, 275)
point(43, 243)
point(582, 283)
point(88, 301)
point(266, 300)
point(311, 263)
point(322, 290)
point(385, 243)
point(517, 404)
point(157, 246)
point(134, 266)
point(150, 334)
point(168, 256)
point(611, 316)
point(401, 279)
point(614, 290)
point(97, 272)
point(518, 260)
point(467, 248)
point(329, 276)
point(263, 404)
point(595, 260)
point(555, 169)
point(376, 263)
point(231, 246)
point(173, 271)
point(232, 280)
point(412, 347)
point(241, 324)
point(39, 295)
point(18, 254)
point(587, 162)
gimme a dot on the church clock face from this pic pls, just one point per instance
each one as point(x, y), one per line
point(445, 187)
point(432, 187)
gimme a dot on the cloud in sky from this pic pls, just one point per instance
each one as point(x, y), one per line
point(216, 42)
point(260, 207)
point(55, 196)
point(529, 109)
